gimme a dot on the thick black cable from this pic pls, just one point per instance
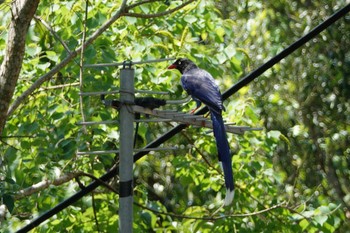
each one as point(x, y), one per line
point(243, 82)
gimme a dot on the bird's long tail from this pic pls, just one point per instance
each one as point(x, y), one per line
point(224, 154)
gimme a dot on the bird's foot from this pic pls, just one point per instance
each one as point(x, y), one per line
point(193, 110)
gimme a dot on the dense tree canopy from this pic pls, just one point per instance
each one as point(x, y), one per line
point(292, 176)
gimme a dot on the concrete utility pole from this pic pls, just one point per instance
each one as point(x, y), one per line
point(126, 149)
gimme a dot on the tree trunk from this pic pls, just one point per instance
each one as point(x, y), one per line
point(22, 13)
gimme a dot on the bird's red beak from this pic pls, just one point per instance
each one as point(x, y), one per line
point(172, 66)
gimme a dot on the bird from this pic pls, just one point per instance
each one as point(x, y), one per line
point(201, 85)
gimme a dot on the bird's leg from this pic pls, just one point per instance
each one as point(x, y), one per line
point(198, 105)
point(193, 110)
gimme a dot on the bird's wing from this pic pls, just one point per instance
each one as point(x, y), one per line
point(201, 86)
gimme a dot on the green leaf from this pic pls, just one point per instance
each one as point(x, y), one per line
point(190, 19)
point(221, 58)
point(33, 49)
point(10, 155)
point(220, 32)
point(9, 202)
point(43, 66)
point(10, 180)
point(324, 209)
point(230, 51)
point(304, 224)
point(52, 56)
point(321, 219)
point(149, 218)
point(274, 134)
point(145, 9)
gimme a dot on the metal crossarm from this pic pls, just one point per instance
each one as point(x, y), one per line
point(189, 119)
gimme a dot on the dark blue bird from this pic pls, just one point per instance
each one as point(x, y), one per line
point(202, 87)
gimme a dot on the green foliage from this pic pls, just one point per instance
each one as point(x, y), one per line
point(295, 170)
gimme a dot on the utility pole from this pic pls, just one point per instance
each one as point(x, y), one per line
point(126, 149)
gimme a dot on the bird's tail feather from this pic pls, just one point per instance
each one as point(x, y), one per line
point(230, 194)
point(224, 154)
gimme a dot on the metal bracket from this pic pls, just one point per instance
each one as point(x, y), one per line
point(127, 63)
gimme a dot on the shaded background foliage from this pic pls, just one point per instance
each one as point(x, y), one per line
point(308, 96)
point(300, 159)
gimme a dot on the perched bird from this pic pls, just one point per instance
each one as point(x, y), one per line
point(202, 87)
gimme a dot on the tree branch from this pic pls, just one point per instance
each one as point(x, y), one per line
point(60, 86)
point(56, 182)
point(280, 205)
point(48, 27)
point(22, 13)
point(148, 16)
point(45, 184)
point(201, 153)
point(140, 3)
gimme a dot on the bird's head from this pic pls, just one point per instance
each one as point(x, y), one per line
point(182, 64)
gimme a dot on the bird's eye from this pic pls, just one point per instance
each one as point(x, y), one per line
point(179, 62)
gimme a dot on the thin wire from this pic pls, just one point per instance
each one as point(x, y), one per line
point(92, 93)
point(123, 63)
point(117, 151)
